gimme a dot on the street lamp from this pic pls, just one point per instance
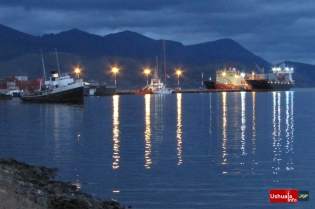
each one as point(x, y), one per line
point(115, 71)
point(77, 71)
point(178, 72)
point(147, 72)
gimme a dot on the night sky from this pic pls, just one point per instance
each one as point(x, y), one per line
point(272, 29)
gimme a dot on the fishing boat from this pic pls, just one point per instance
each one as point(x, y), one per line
point(156, 86)
point(279, 80)
point(160, 88)
point(63, 89)
point(58, 89)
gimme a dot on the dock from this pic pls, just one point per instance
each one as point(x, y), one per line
point(130, 92)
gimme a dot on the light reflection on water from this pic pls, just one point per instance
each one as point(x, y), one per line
point(179, 129)
point(227, 145)
point(116, 140)
point(282, 137)
point(147, 131)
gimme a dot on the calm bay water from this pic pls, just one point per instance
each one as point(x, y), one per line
point(211, 150)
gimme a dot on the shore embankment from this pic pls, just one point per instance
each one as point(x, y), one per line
point(32, 187)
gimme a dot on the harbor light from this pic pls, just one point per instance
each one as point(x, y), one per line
point(178, 72)
point(115, 71)
point(242, 75)
point(147, 72)
point(77, 71)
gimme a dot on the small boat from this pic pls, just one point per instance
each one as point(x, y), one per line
point(63, 89)
point(160, 88)
point(4, 96)
point(155, 87)
point(145, 90)
point(15, 93)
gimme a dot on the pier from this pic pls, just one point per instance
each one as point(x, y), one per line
point(130, 92)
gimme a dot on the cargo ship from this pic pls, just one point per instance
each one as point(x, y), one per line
point(227, 79)
point(279, 80)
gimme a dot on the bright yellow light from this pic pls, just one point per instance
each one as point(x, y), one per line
point(115, 70)
point(178, 72)
point(147, 71)
point(77, 70)
point(224, 73)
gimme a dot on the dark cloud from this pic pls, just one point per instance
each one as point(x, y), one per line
point(275, 30)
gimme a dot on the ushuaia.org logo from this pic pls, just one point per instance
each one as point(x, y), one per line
point(283, 196)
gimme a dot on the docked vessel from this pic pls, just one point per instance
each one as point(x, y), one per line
point(158, 86)
point(279, 80)
point(94, 88)
point(227, 79)
point(155, 87)
point(209, 84)
point(63, 89)
point(145, 90)
point(4, 96)
point(15, 93)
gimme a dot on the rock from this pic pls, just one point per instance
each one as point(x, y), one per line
point(43, 201)
point(35, 184)
point(84, 203)
point(37, 171)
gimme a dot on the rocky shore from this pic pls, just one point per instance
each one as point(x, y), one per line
point(24, 186)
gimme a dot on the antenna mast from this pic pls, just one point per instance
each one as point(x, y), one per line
point(43, 64)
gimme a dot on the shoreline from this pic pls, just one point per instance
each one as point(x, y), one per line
point(27, 186)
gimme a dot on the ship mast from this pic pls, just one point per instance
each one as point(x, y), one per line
point(157, 68)
point(164, 63)
point(43, 64)
point(57, 62)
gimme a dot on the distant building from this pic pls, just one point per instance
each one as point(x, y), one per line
point(19, 83)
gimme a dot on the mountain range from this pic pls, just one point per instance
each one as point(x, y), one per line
point(20, 55)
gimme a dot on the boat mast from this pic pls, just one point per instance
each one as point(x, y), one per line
point(57, 62)
point(43, 64)
point(164, 62)
point(157, 67)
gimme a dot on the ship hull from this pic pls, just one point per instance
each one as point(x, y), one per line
point(5, 97)
point(229, 86)
point(209, 84)
point(162, 91)
point(264, 85)
point(68, 95)
point(214, 85)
